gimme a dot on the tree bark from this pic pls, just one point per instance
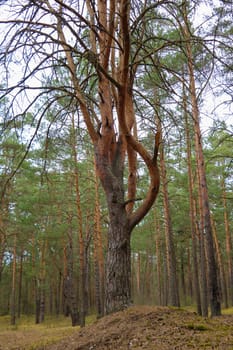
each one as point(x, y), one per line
point(68, 288)
point(13, 286)
point(42, 281)
point(2, 245)
point(81, 243)
point(138, 273)
point(20, 285)
point(118, 271)
point(192, 210)
point(221, 272)
point(158, 259)
point(35, 282)
point(228, 245)
point(173, 290)
point(190, 276)
point(213, 288)
point(118, 266)
point(115, 90)
point(58, 293)
point(207, 234)
point(37, 302)
point(98, 252)
point(182, 275)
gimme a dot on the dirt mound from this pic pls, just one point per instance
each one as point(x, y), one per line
point(152, 328)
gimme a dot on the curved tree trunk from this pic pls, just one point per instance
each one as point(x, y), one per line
point(115, 90)
point(121, 223)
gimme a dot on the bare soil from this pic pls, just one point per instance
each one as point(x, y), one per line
point(151, 328)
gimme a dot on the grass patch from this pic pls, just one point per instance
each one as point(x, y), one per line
point(28, 322)
point(26, 335)
point(197, 327)
point(228, 311)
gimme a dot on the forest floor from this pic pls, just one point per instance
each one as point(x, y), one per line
point(139, 327)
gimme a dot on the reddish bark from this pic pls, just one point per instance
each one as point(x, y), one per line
point(111, 149)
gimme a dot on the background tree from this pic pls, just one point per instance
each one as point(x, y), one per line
point(94, 61)
point(108, 52)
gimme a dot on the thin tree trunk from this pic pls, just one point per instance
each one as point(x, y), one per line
point(42, 282)
point(98, 252)
point(99, 307)
point(68, 289)
point(51, 297)
point(35, 283)
point(149, 277)
point(37, 302)
point(221, 274)
point(203, 277)
point(228, 245)
point(2, 246)
point(165, 295)
point(4, 211)
point(138, 273)
point(173, 291)
point(13, 285)
point(158, 259)
point(213, 287)
point(192, 208)
point(65, 295)
point(182, 274)
point(88, 234)
point(190, 276)
point(58, 294)
point(82, 267)
point(20, 285)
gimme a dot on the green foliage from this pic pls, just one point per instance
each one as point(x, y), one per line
point(39, 204)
